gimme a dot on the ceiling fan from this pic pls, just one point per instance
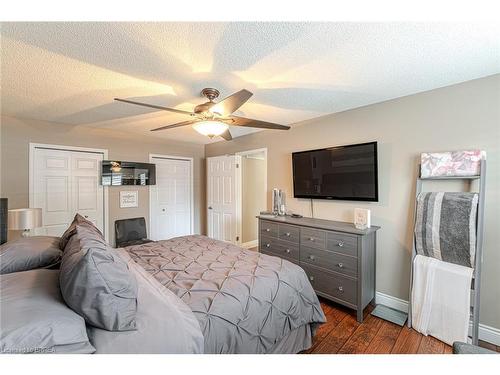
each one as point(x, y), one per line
point(214, 118)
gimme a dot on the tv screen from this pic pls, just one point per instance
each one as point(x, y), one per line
point(344, 172)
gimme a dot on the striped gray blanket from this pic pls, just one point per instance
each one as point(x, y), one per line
point(445, 227)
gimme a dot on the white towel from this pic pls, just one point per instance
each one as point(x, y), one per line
point(440, 299)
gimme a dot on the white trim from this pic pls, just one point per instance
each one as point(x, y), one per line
point(191, 188)
point(239, 198)
point(104, 152)
point(392, 302)
point(239, 204)
point(486, 333)
point(250, 244)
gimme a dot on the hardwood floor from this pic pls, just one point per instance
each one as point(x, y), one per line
point(342, 334)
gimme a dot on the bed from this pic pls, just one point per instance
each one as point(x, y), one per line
point(189, 294)
point(244, 301)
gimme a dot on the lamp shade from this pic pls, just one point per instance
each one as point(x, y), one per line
point(25, 218)
point(210, 128)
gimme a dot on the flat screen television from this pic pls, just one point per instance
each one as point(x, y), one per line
point(343, 172)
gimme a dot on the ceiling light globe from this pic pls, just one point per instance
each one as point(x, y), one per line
point(210, 128)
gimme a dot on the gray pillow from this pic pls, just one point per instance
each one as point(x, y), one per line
point(29, 253)
point(68, 233)
point(98, 284)
point(34, 317)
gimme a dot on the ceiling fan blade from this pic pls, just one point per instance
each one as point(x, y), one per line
point(227, 135)
point(156, 107)
point(177, 125)
point(230, 104)
point(252, 123)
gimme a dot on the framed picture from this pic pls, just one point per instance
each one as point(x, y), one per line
point(129, 199)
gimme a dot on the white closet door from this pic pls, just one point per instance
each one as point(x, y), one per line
point(171, 199)
point(87, 192)
point(222, 207)
point(64, 183)
point(52, 190)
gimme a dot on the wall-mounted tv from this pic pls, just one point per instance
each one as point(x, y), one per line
point(341, 172)
point(118, 173)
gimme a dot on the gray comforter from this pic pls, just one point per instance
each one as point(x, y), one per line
point(245, 302)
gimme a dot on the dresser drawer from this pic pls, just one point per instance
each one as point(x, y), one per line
point(276, 247)
point(313, 238)
point(268, 228)
point(332, 285)
point(289, 233)
point(342, 243)
point(332, 261)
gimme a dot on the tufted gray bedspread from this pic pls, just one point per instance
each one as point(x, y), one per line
point(245, 302)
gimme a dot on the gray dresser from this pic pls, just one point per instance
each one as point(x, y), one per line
point(338, 258)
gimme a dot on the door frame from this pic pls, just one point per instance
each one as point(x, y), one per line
point(31, 175)
point(239, 195)
point(191, 188)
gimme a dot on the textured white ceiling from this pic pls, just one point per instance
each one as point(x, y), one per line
point(70, 72)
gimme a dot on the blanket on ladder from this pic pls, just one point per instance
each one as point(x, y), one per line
point(445, 227)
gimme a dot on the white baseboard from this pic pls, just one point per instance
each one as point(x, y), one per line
point(486, 333)
point(250, 244)
point(390, 301)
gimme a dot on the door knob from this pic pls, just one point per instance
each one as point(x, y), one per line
point(268, 245)
point(287, 251)
point(341, 289)
point(311, 239)
point(311, 278)
point(311, 257)
point(268, 230)
point(341, 244)
point(287, 234)
point(340, 265)
point(209, 207)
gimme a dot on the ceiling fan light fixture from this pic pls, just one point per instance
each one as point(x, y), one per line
point(210, 128)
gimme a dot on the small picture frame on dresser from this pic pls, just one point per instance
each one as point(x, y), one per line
point(362, 218)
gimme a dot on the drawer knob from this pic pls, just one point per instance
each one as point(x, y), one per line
point(287, 251)
point(268, 230)
point(287, 234)
point(268, 245)
point(311, 278)
point(311, 257)
point(341, 288)
point(340, 265)
point(341, 243)
point(311, 239)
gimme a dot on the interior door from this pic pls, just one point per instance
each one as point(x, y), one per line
point(87, 191)
point(171, 199)
point(64, 183)
point(222, 190)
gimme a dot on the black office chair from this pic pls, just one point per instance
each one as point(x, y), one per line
point(130, 232)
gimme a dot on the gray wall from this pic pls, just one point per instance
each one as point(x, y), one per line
point(18, 133)
point(464, 116)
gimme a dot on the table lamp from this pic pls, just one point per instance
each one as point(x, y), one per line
point(25, 219)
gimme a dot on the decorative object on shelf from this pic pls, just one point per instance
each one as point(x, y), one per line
point(362, 218)
point(25, 219)
point(129, 199)
point(451, 164)
point(278, 203)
